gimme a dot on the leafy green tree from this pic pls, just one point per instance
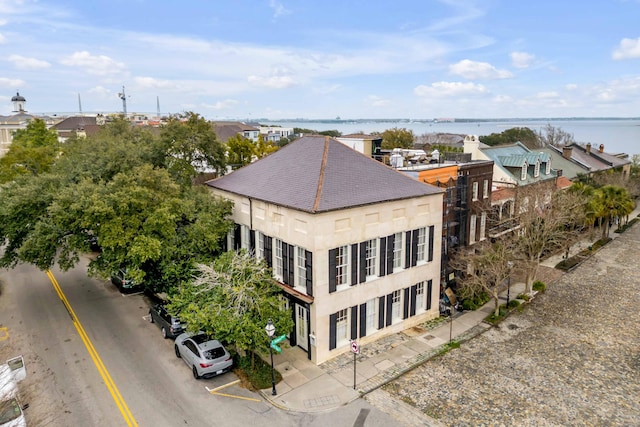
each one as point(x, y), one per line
point(263, 147)
point(397, 138)
point(518, 134)
point(239, 151)
point(32, 151)
point(333, 133)
point(189, 146)
point(611, 202)
point(233, 299)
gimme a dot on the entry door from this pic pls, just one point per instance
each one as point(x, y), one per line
point(302, 331)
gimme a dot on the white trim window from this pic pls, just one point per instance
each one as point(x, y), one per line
point(245, 237)
point(485, 189)
point(342, 327)
point(422, 244)
point(420, 302)
point(260, 245)
point(372, 315)
point(371, 256)
point(277, 259)
point(396, 304)
point(523, 172)
point(547, 169)
point(536, 169)
point(397, 251)
point(483, 225)
point(472, 229)
point(342, 266)
point(474, 190)
point(301, 267)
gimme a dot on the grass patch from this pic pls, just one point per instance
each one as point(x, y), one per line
point(538, 286)
point(495, 319)
point(257, 377)
point(513, 303)
point(626, 226)
point(524, 297)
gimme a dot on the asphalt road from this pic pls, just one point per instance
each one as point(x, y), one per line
point(143, 382)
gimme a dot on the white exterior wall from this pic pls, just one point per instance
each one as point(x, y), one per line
point(319, 233)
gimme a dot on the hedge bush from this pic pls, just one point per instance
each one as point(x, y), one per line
point(475, 301)
point(258, 377)
point(539, 286)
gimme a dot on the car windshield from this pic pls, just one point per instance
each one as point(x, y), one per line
point(214, 353)
point(9, 410)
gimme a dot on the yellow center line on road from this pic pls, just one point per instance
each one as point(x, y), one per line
point(117, 397)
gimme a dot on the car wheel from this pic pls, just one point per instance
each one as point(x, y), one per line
point(195, 373)
point(150, 318)
point(164, 332)
point(175, 347)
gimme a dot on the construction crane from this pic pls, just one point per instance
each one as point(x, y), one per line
point(123, 96)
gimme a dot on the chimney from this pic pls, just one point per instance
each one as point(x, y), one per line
point(588, 148)
point(567, 150)
point(601, 148)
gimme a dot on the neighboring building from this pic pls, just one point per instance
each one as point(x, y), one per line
point(225, 130)
point(81, 126)
point(369, 145)
point(352, 242)
point(19, 120)
point(275, 133)
point(597, 160)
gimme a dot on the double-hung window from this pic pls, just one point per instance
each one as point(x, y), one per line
point(396, 299)
point(301, 267)
point(371, 256)
point(397, 251)
point(372, 315)
point(474, 190)
point(342, 265)
point(277, 261)
point(420, 302)
point(422, 243)
point(342, 327)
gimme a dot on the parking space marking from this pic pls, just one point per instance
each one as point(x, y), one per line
point(4, 333)
point(215, 391)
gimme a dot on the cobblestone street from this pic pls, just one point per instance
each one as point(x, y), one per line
point(570, 358)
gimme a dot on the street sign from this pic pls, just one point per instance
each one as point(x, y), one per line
point(274, 343)
point(354, 347)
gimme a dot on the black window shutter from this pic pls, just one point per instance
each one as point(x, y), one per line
point(383, 257)
point(268, 254)
point(333, 319)
point(428, 295)
point(407, 250)
point(363, 262)
point(354, 264)
point(405, 303)
point(381, 312)
point(236, 237)
point(354, 322)
point(389, 309)
point(252, 240)
point(390, 243)
point(431, 237)
point(291, 252)
point(414, 248)
point(412, 306)
point(333, 271)
point(308, 265)
point(363, 320)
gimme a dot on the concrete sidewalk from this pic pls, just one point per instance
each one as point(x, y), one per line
point(306, 387)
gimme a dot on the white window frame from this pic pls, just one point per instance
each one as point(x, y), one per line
point(277, 259)
point(245, 237)
point(371, 258)
point(398, 247)
point(260, 245)
point(474, 191)
point(301, 268)
point(536, 169)
point(472, 228)
point(485, 189)
point(396, 306)
point(420, 301)
point(483, 225)
point(342, 327)
point(548, 167)
point(372, 315)
point(523, 172)
point(421, 247)
point(342, 267)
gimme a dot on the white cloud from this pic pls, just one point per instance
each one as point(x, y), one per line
point(24, 63)
point(5, 82)
point(628, 49)
point(3, 39)
point(99, 65)
point(571, 86)
point(547, 95)
point(222, 105)
point(273, 82)
point(521, 59)
point(445, 89)
point(376, 101)
point(100, 90)
point(150, 82)
point(473, 70)
point(278, 9)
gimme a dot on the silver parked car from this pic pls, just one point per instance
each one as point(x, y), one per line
point(205, 356)
point(170, 326)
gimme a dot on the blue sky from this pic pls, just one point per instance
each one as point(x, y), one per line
point(277, 59)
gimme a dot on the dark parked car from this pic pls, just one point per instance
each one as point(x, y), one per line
point(124, 283)
point(169, 325)
point(205, 356)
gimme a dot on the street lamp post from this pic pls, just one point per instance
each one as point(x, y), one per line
point(271, 330)
point(510, 266)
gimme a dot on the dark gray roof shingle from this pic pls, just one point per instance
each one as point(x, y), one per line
point(319, 174)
